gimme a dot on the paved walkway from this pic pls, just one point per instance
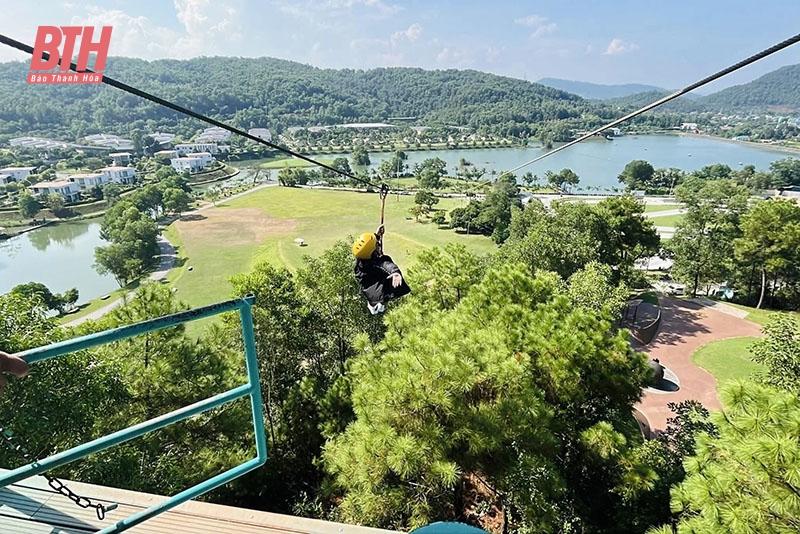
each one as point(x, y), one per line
point(685, 326)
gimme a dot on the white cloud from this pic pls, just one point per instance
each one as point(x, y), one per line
point(326, 8)
point(618, 46)
point(131, 36)
point(207, 29)
point(545, 29)
point(412, 34)
point(531, 20)
point(453, 58)
point(493, 53)
point(541, 25)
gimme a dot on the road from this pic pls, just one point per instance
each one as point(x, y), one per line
point(167, 257)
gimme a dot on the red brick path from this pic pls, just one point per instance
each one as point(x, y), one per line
point(684, 327)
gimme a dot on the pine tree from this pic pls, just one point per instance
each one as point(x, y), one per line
point(746, 480)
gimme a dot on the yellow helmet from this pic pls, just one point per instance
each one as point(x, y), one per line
point(364, 246)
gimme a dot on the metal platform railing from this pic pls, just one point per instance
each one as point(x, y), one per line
point(251, 389)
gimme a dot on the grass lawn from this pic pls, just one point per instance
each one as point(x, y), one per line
point(668, 220)
point(651, 208)
point(96, 304)
point(292, 163)
point(761, 316)
point(727, 359)
point(262, 226)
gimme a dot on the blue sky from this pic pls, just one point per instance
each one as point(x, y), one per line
point(670, 44)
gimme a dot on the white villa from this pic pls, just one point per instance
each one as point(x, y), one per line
point(120, 159)
point(215, 133)
point(187, 148)
point(205, 157)
point(119, 175)
point(110, 141)
point(169, 154)
point(6, 179)
point(190, 164)
point(261, 133)
point(69, 190)
point(18, 173)
point(88, 181)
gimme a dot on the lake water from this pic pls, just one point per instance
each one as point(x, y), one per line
point(61, 256)
point(599, 162)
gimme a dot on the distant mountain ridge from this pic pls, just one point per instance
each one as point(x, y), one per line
point(777, 91)
point(598, 91)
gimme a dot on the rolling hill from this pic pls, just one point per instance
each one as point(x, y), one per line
point(777, 91)
point(278, 94)
point(597, 91)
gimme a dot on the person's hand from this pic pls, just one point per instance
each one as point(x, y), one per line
point(381, 230)
point(397, 279)
point(13, 365)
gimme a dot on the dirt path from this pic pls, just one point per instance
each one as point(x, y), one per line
point(685, 326)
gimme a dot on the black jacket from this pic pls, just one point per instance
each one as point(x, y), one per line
point(373, 276)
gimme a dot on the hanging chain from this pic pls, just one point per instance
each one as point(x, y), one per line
point(14, 443)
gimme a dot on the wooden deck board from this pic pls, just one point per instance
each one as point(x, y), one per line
point(32, 507)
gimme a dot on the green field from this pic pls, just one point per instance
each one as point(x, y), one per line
point(289, 163)
point(727, 359)
point(262, 226)
point(652, 208)
point(668, 220)
point(760, 316)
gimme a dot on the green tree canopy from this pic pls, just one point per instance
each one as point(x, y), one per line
point(746, 479)
point(703, 243)
point(28, 206)
point(498, 388)
point(360, 156)
point(779, 351)
point(637, 175)
point(770, 242)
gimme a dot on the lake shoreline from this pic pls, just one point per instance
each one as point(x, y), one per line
point(776, 148)
point(21, 230)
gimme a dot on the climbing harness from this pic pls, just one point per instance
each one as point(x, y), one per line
point(15, 444)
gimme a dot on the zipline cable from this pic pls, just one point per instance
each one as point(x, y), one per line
point(186, 111)
point(752, 59)
point(143, 94)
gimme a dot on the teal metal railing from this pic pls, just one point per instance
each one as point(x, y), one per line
point(251, 389)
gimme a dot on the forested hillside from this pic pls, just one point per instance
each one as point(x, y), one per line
point(775, 91)
point(277, 94)
point(680, 105)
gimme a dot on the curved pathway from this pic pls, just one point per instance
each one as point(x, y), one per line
point(685, 326)
point(166, 261)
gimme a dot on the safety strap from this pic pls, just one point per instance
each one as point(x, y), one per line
point(384, 194)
